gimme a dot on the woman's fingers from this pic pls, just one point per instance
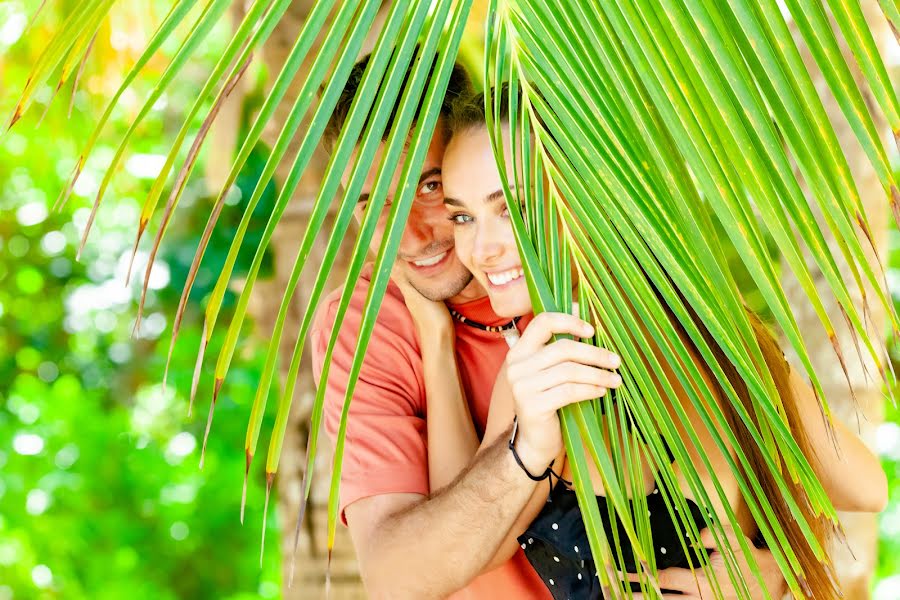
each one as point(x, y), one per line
point(542, 329)
point(572, 372)
point(571, 351)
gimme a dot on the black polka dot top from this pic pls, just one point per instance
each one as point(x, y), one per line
point(556, 543)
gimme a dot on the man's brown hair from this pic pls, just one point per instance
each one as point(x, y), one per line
point(458, 85)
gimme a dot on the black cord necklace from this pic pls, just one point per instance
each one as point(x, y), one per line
point(494, 328)
point(509, 331)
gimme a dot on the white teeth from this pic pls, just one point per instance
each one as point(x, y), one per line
point(430, 261)
point(505, 276)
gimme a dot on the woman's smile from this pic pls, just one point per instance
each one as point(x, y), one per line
point(505, 278)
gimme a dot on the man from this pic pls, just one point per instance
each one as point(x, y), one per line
point(411, 541)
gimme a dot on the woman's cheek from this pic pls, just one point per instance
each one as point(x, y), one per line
point(462, 239)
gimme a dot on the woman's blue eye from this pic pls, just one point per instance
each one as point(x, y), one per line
point(460, 219)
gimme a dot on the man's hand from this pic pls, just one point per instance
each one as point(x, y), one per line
point(430, 316)
point(545, 375)
point(696, 585)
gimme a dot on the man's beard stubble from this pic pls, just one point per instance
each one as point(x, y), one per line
point(446, 288)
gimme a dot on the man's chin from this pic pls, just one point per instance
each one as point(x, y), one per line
point(442, 287)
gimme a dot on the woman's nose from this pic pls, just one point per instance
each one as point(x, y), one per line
point(489, 244)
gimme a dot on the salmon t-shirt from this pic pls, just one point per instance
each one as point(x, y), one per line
point(386, 449)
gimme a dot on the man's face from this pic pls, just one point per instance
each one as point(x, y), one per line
point(426, 255)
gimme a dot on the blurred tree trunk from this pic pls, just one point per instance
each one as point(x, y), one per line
point(855, 569)
point(310, 566)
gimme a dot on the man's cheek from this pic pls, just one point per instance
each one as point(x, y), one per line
point(377, 236)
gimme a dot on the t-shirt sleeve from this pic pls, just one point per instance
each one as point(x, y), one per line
point(385, 449)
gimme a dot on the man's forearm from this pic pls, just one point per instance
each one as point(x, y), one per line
point(452, 440)
point(439, 545)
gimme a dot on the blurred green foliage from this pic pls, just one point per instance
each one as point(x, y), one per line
point(100, 488)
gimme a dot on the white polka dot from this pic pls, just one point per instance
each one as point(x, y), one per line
point(555, 526)
point(551, 582)
point(662, 549)
point(655, 490)
point(523, 546)
point(556, 558)
point(576, 548)
point(579, 576)
point(530, 540)
point(648, 513)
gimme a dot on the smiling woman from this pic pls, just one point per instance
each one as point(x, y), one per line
point(487, 246)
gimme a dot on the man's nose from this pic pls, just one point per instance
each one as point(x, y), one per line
point(420, 227)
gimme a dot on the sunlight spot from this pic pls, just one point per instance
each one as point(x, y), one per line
point(37, 502)
point(119, 352)
point(105, 322)
point(152, 326)
point(87, 185)
point(233, 197)
point(268, 589)
point(145, 166)
point(9, 553)
point(53, 243)
point(182, 493)
point(180, 446)
point(12, 27)
point(888, 440)
point(42, 576)
point(28, 444)
point(31, 213)
point(66, 456)
point(888, 588)
point(179, 530)
point(48, 371)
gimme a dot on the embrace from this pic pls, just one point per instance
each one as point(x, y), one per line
point(442, 494)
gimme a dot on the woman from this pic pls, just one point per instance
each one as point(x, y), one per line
point(551, 533)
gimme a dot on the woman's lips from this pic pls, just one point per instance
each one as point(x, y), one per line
point(499, 279)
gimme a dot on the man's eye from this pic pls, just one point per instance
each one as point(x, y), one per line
point(430, 187)
point(460, 219)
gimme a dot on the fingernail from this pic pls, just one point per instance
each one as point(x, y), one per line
point(616, 360)
point(588, 330)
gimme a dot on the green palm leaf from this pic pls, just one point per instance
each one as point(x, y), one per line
point(633, 125)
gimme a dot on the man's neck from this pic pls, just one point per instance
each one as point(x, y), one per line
point(473, 291)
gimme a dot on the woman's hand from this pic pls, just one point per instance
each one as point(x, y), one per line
point(546, 375)
point(695, 585)
point(429, 316)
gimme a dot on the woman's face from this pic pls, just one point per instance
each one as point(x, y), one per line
point(485, 243)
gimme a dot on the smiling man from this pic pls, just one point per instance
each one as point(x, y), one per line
point(412, 541)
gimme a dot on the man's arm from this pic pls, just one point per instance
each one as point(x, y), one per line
point(409, 547)
point(412, 547)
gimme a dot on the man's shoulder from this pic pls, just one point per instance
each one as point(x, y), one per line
point(392, 315)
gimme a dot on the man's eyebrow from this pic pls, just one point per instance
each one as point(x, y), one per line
point(429, 173)
point(422, 177)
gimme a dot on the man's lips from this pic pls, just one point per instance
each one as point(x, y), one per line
point(430, 263)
